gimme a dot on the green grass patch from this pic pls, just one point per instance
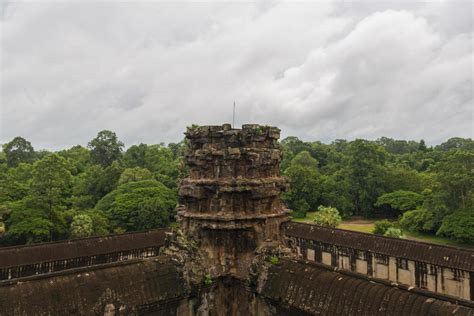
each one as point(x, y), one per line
point(435, 239)
point(364, 228)
point(309, 219)
point(367, 226)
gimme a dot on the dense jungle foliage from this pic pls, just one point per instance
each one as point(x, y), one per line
point(101, 189)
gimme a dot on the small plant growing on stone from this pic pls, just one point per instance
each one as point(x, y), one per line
point(259, 130)
point(208, 279)
point(192, 128)
point(274, 260)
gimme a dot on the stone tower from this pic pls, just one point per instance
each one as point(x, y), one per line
point(230, 202)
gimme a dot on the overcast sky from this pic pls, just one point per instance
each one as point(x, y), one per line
point(319, 71)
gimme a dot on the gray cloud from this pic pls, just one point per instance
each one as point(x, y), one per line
point(321, 70)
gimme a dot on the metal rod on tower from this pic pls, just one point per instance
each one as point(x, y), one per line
point(233, 117)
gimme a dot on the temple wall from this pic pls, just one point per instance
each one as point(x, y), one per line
point(305, 288)
point(23, 261)
point(145, 287)
point(375, 261)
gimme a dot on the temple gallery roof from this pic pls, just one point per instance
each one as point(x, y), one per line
point(447, 256)
point(316, 290)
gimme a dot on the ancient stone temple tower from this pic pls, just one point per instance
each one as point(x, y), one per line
point(231, 254)
point(230, 200)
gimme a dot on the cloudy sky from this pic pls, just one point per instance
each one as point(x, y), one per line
point(321, 70)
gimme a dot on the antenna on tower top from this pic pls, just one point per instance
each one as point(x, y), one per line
point(233, 117)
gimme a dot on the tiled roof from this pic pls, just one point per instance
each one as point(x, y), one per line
point(144, 287)
point(458, 258)
point(84, 247)
point(314, 290)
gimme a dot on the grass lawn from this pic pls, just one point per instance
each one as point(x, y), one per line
point(367, 226)
point(364, 228)
point(435, 239)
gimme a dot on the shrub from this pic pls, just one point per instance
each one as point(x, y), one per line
point(327, 216)
point(381, 227)
point(417, 220)
point(393, 232)
point(459, 226)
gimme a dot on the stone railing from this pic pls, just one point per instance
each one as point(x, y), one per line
point(436, 268)
point(24, 261)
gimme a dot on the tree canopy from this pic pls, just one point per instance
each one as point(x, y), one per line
point(139, 205)
point(105, 148)
point(101, 188)
point(17, 151)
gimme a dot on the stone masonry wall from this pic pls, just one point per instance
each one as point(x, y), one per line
point(230, 201)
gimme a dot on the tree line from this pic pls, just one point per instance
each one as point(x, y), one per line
point(429, 189)
point(103, 188)
point(80, 192)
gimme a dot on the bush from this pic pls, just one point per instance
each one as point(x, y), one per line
point(393, 232)
point(327, 216)
point(381, 227)
point(420, 220)
point(459, 226)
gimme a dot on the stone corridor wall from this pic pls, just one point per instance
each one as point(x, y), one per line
point(23, 261)
point(437, 268)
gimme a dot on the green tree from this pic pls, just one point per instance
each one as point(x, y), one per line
point(420, 220)
point(135, 156)
point(78, 157)
point(99, 222)
point(381, 227)
point(51, 183)
point(334, 191)
point(365, 173)
point(95, 183)
point(398, 177)
point(81, 226)
point(459, 226)
point(139, 205)
point(327, 216)
point(26, 225)
point(134, 174)
point(400, 200)
point(305, 183)
point(305, 160)
point(50, 190)
point(455, 177)
point(18, 150)
point(422, 146)
point(393, 232)
point(456, 143)
point(105, 148)
point(15, 182)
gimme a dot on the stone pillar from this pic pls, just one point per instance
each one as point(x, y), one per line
point(229, 203)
